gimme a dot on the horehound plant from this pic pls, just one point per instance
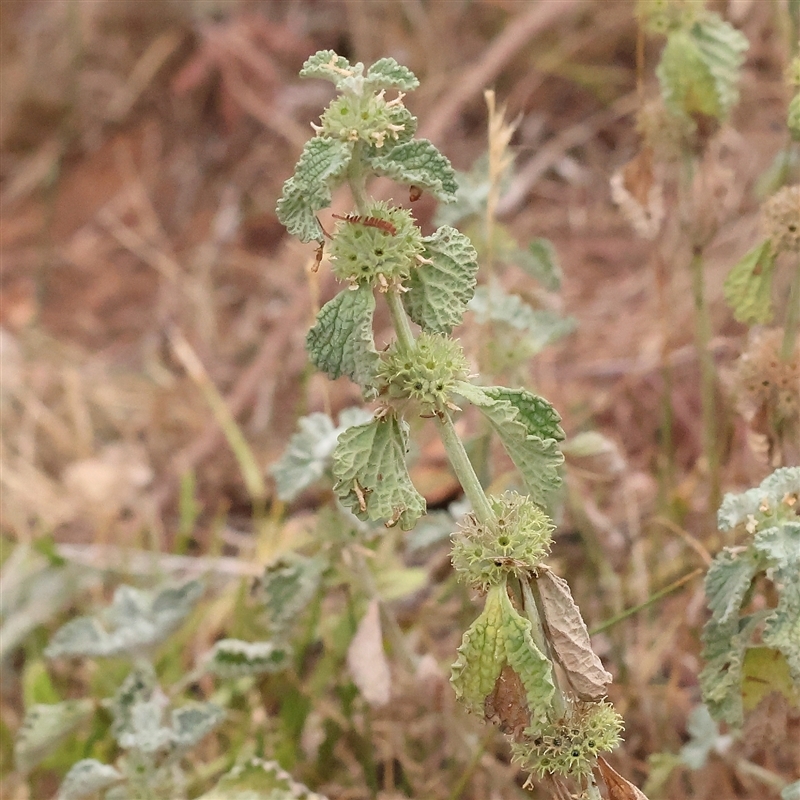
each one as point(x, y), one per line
point(526, 664)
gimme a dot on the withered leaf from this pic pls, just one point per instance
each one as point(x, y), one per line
point(367, 660)
point(570, 638)
point(507, 705)
point(618, 787)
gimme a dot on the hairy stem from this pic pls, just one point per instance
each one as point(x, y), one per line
point(791, 327)
point(464, 470)
point(402, 326)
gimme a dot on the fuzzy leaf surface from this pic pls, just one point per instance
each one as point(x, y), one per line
point(782, 628)
point(328, 65)
point(529, 428)
point(136, 619)
point(438, 292)
point(320, 168)
point(309, 451)
point(87, 777)
point(137, 687)
point(540, 261)
point(45, 726)
point(233, 658)
point(371, 459)
point(341, 341)
point(256, 779)
point(500, 636)
point(736, 508)
point(748, 287)
point(418, 163)
point(727, 581)
point(724, 646)
point(288, 585)
point(570, 638)
point(386, 73)
point(704, 733)
point(192, 722)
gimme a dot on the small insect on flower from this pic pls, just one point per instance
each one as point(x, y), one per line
point(370, 222)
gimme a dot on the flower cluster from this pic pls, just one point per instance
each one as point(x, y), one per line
point(515, 543)
point(379, 248)
point(369, 118)
point(427, 375)
point(571, 745)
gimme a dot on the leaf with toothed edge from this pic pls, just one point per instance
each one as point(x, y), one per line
point(372, 478)
point(87, 777)
point(438, 292)
point(341, 341)
point(386, 73)
point(418, 163)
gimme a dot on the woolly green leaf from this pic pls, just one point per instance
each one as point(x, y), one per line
point(341, 341)
point(418, 163)
point(259, 780)
point(727, 582)
point(704, 736)
point(386, 73)
point(288, 585)
point(192, 722)
point(135, 619)
point(721, 678)
point(699, 68)
point(438, 292)
point(498, 637)
point(45, 726)
point(541, 326)
point(779, 543)
point(308, 454)
point(372, 477)
point(748, 287)
point(528, 427)
point(320, 168)
point(791, 792)
point(481, 655)
point(329, 66)
point(145, 731)
point(736, 508)
point(540, 262)
point(233, 658)
point(137, 687)
point(87, 777)
point(782, 628)
point(569, 638)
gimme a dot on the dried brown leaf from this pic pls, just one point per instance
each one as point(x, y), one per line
point(507, 705)
point(570, 638)
point(618, 787)
point(367, 661)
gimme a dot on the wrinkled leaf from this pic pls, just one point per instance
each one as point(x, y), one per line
point(500, 636)
point(192, 722)
point(366, 659)
point(135, 619)
point(137, 687)
point(372, 477)
point(328, 65)
point(782, 628)
point(540, 262)
point(386, 73)
point(145, 731)
point(320, 169)
point(528, 427)
point(288, 585)
point(418, 163)
point(570, 638)
point(727, 582)
point(45, 726)
point(341, 341)
point(748, 287)
point(233, 658)
point(259, 780)
point(736, 508)
point(309, 451)
point(438, 292)
point(86, 778)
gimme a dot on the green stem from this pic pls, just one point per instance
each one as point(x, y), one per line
point(464, 470)
point(357, 178)
point(791, 327)
point(402, 326)
point(707, 393)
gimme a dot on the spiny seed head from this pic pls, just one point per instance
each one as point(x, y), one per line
point(427, 374)
point(363, 252)
point(516, 543)
point(571, 745)
point(780, 217)
point(659, 17)
point(369, 118)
